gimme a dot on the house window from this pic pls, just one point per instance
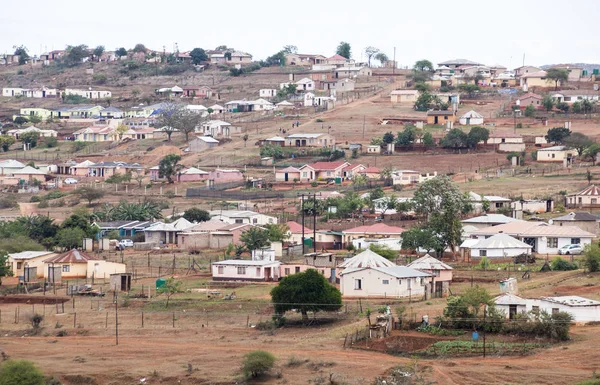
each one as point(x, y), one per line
point(66, 268)
point(304, 175)
point(436, 273)
point(358, 284)
point(575, 241)
point(385, 282)
point(552, 243)
point(399, 282)
point(555, 310)
point(239, 221)
point(297, 269)
point(258, 271)
point(594, 201)
point(221, 270)
point(553, 155)
point(241, 270)
point(286, 271)
point(422, 281)
point(254, 220)
point(483, 253)
point(535, 310)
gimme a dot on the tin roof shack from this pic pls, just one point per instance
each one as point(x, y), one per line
point(585, 221)
point(244, 270)
point(582, 309)
point(510, 304)
point(383, 282)
point(76, 264)
point(441, 274)
point(120, 282)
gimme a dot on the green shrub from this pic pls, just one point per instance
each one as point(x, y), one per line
point(43, 204)
point(99, 78)
point(20, 372)
point(78, 146)
point(257, 363)
point(8, 202)
point(559, 264)
point(591, 259)
point(51, 142)
point(314, 184)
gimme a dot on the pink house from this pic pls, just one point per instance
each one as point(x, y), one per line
point(197, 92)
point(442, 274)
point(192, 174)
point(352, 170)
point(223, 175)
point(154, 174)
point(371, 172)
point(213, 234)
point(294, 268)
point(323, 170)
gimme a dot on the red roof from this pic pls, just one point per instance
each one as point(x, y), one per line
point(352, 167)
point(296, 228)
point(337, 57)
point(318, 166)
point(530, 95)
point(371, 170)
point(378, 228)
point(592, 191)
point(72, 256)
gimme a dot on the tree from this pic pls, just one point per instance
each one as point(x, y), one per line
point(5, 270)
point(6, 141)
point(79, 221)
point(557, 75)
point(290, 49)
point(172, 118)
point(20, 372)
point(245, 139)
point(530, 111)
point(548, 103)
point(388, 138)
point(591, 151)
point(428, 141)
point(476, 298)
point(424, 101)
point(70, 238)
point(120, 52)
point(417, 238)
point(38, 227)
point(557, 135)
point(228, 55)
point(442, 203)
point(304, 292)
point(126, 211)
point(195, 214)
point(30, 138)
point(564, 107)
point(120, 131)
point(477, 135)
point(576, 107)
point(20, 120)
point(170, 288)
point(370, 52)
point(381, 57)
point(23, 54)
point(344, 49)
point(578, 141)
point(587, 106)
point(255, 238)
point(76, 54)
point(470, 89)
point(277, 232)
point(90, 194)
point(140, 48)
point(591, 260)
point(384, 251)
point(455, 138)
point(257, 363)
point(422, 87)
point(168, 167)
point(98, 51)
point(423, 66)
point(277, 59)
point(198, 55)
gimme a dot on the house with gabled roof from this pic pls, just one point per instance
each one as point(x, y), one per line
point(310, 140)
point(455, 63)
point(556, 154)
point(167, 233)
point(110, 168)
point(192, 174)
point(33, 261)
point(471, 118)
point(441, 274)
point(535, 79)
point(339, 60)
point(288, 174)
point(378, 230)
point(77, 264)
point(322, 170)
point(351, 170)
point(589, 197)
point(529, 98)
point(583, 220)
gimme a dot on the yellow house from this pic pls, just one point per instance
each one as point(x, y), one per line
point(35, 111)
point(536, 79)
point(69, 265)
point(404, 96)
point(34, 260)
point(556, 154)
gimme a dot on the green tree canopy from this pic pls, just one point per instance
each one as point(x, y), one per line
point(477, 134)
point(98, 51)
point(90, 194)
point(548, 102)
point(23, 53)
point(305, 292)
point(578, 141)
point(455, 138)
point(70, 237)
point(169, 289)
point(557, 135)
point(195, 214)
point(277, 59)
point(120, 52)
point(255, 238)
point(76, 54)
point(20, 372)
point(388, 138)
point(423, 66)
point(344, 49)
point(381, 57)
point(385, 251)
point(277, 232)
point(198, 55)
point(557, 75)
point(417, 238)
point(257, 363)
point(30, 138)
point(168, 167)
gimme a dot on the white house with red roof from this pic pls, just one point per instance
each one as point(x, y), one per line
point(295, 232)
point(371, 172)
point(351, 170)
point(378, 230)
point(288, 174)
point(339, 60)
point(323, 170)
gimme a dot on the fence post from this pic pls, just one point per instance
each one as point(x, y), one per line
point(142, 320)
point(173, 319)
point(74, 320)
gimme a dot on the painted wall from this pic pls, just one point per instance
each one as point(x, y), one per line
point(377, 284)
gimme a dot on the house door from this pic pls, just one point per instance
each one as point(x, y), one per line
point(468, 121)
point(435, 121)
point(530, 242)
point(267, 273)
point(548, 205)
point(512, 311)
point(298, 143)
point(438, 290)
point(286, 177)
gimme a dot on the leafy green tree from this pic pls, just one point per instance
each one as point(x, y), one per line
point(169, 289)
point(290, 49)
point(90, 194)
point(384, 251)
point(424, 101)
point(98, 51)
point(381, 57)
point(548, 103)
point(23, 53)
point(423, 66)
point(270, 150)
point(564, 107)
point(591, 151)
point(576, 107)
point(76, 54)
point(255, 238)
point(407, 136)
point(70, 237)
point(168, 167)
point(344, 49)
point(277, 59)
point(428, 141)
point(38, 227)
point(198, 55)
point(371, 52)
point(578, 141)
point(5, 270)
point(442, 203)
point(78, 221)
point(120, 52)
point(587, 106)
point(530, 111)
point(277, 232)
point(557, 135)
point(417, 238)
point(20, 372)
point(34, 119)
point(126, 211)
point(591, 259)
point(195, 214)
point(6, 141)
point(20, 120)
point(557, 75)
point(455, 138)
point(477, 135)
point(257, 363)
point(305, 292)
point(419, 76)
point(388, 138)
point(140, 48)
point(30, 138)
point(470, 89)
point(422, 87)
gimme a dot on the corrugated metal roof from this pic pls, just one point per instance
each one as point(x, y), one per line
point(581, 216)
point(29, 254)
point(367, 258)
point(394, 271)
point(427, 262)
point(500, 241)
point(72, 256)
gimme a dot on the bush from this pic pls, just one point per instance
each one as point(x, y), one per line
point(51, 142)
point(8, 202)
point(43, 204)
point(559, 264)
point(257, 363)
point(36, 320)
point(99, 78)
point(78, 146)
point(314, 184)
point(591, 260)
point(20, 372)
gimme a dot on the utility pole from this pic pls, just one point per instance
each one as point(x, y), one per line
point(484, 327)
point(302, 210)
point(394, 66)
point(315, 222)
point(117, 318)
point(364, 120)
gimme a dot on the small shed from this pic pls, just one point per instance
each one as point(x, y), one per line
point(471, 118)
point(120, 282)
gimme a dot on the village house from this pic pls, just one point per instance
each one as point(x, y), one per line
point(383, 282)
point(441, 274)
point(110, 168)
point(582, 310)
point(75, 264)
point(203, 92)
point(274, 141)
point(496, 202)
point(559, 154)
point(436, 117)
point(471, 118)
point(352, 72)
point(496, 246)
point(309, 140)
point(542, 237)
point(305, 60)
point(572, 96)
point(123, 228)
point(339, 61)
point(535, 79)
point(575, 72)
point(235, 57)
point(27, 174)
point(212, 234)
point(8, 166)
point(529, 99)
point(192, 174)
point(245, 270)
point(90, 94)
point(455, 63)
point(28, 265)
point(288, 174)
point(242, 216)
point(322, 170)
point(371, 172)
point(112, 113)
point(222, 175)
point(352, 170)
point(166, 233)
point(202, 143)
point(216, 128)
point(294, 233)
point(488, 220)
point(42, 92)
point(583, 220)
point(171, 92)
point(589, 197)
point(42, 113)
point(378, 230)
point(304, 84)
point(520, 71)
point(338, 85)
point(42, 133)
point(408, 177)
point(505, 141)
point(267, 93)
point(81, 168)
point(404, 96)
point(531, 206)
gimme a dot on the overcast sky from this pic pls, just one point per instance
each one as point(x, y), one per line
point(547, 32)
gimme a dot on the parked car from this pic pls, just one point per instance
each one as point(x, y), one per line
point(570, 250)
point(126, 242)
point(70, 181)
